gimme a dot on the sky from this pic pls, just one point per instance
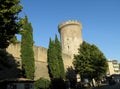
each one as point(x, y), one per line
point(100, 21)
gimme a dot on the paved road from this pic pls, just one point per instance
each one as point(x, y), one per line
point(116, 86)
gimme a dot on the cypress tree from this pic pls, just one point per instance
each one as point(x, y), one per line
point(53, 64)
point(27, 53)
point(59, 57)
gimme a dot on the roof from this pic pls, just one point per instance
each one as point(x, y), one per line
point(22, 80)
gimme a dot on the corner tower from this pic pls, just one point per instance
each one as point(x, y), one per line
point(71, 36)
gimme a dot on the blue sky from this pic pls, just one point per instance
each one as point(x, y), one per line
point(100, 20)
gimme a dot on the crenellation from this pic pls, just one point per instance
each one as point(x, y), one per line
point(69, 22)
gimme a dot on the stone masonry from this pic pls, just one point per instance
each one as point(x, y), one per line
point(71, 38)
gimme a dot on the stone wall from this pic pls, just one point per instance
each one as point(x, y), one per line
point(71, 38)
point(40, 55)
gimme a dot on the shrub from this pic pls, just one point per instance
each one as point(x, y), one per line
point(42, 83)
point(57, 83)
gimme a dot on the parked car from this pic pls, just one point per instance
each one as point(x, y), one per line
point(113, 79)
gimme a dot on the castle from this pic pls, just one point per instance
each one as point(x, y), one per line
point(71, 38)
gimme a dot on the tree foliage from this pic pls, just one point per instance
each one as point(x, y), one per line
point(27, 53)
point(9, 10)
point(55, 61)
point(53, 64)
point(90, 62)
point(42, 83)
point(59, 57)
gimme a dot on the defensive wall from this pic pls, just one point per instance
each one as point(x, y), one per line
point(40, 56)
point(71, 38)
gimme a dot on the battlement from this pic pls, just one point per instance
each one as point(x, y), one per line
point(69, 22)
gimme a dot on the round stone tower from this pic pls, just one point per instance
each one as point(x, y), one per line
point(71, 36)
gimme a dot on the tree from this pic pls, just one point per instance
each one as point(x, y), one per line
point(42, 83)
point(90, 61)
point(53, 64)
point(9, 10)
point(27, 53)
point(59, 57)
point(99, 61)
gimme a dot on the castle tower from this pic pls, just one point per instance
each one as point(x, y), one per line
point(71, 36)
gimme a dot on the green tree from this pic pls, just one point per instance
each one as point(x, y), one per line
point(53, 64)
point(42, 83)
point(27, 53)
point(99, 62)
point(59, 57)
point(90, 61)
point(9, 10)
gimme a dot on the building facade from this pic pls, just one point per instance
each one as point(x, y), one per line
point(113, 67)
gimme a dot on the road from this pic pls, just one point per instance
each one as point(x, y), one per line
point(116, 86)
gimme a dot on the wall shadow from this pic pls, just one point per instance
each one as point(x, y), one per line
point(9, 66)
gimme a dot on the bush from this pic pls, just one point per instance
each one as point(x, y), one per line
point(42, 83)
point(57, 83)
